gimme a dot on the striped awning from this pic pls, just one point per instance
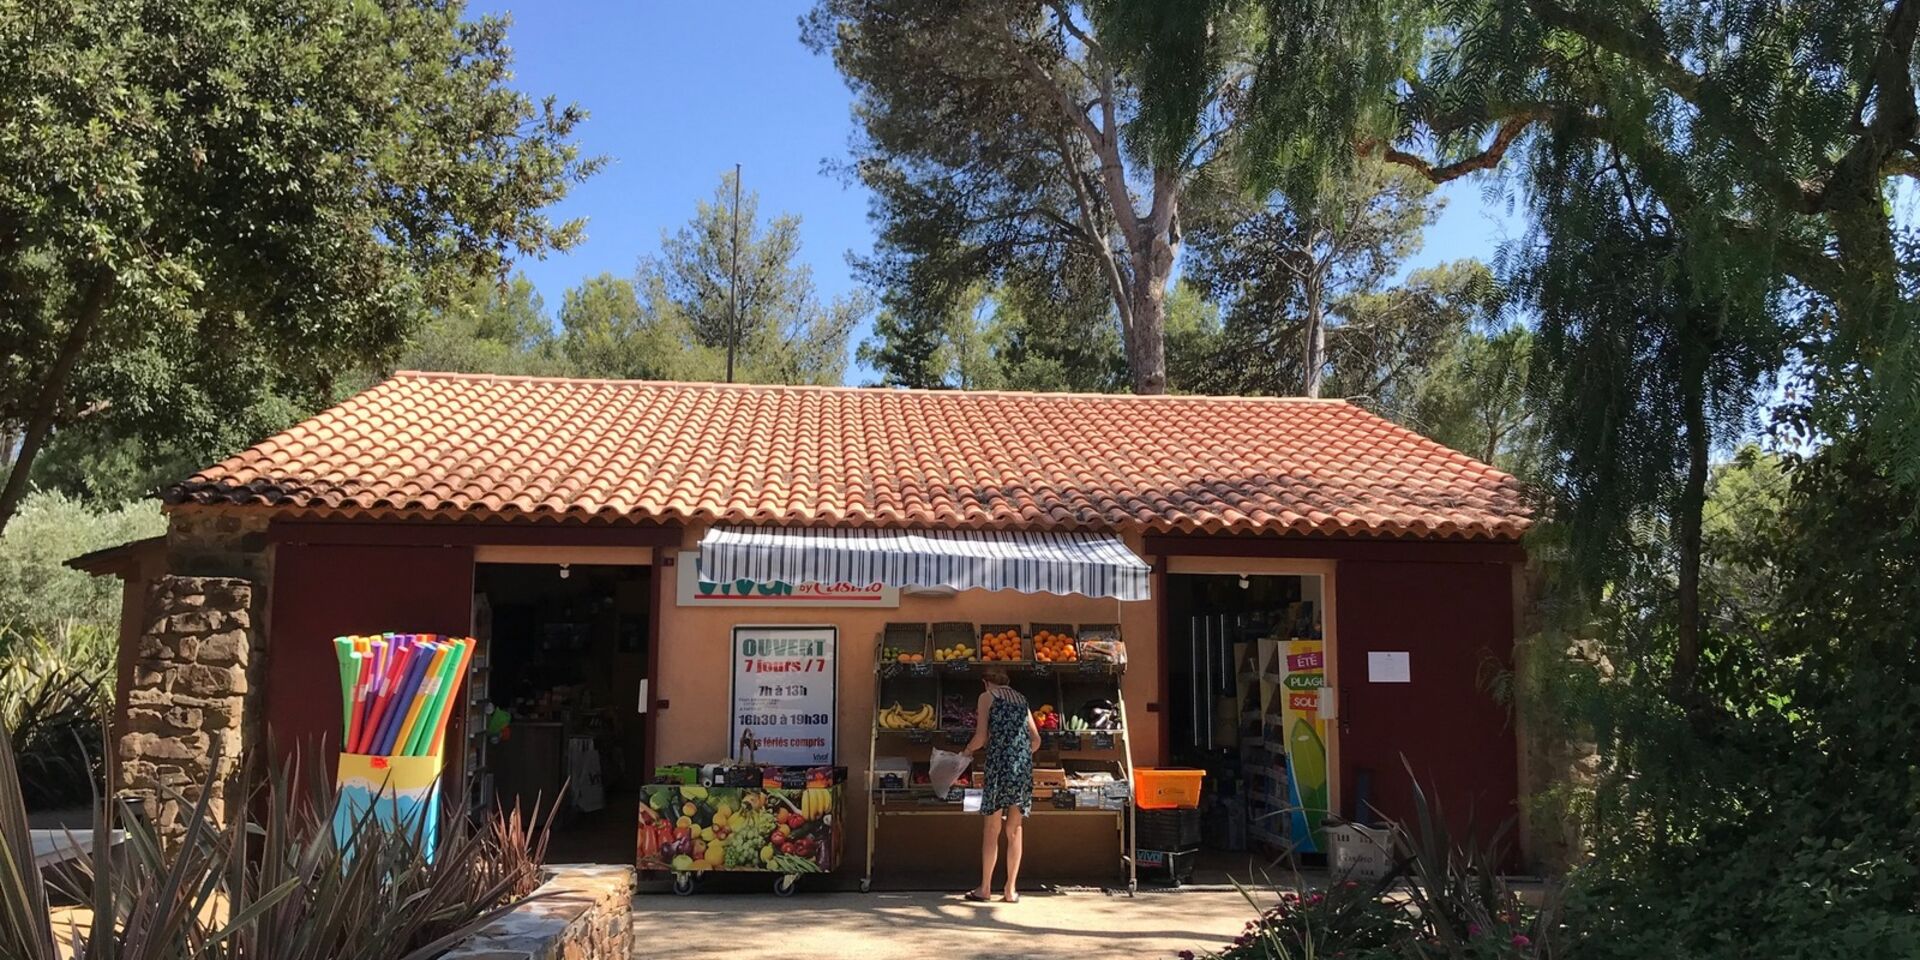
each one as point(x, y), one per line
point(1089, 564)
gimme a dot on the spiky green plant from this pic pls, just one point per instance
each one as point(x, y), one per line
point(52, 696)
point(271, 884)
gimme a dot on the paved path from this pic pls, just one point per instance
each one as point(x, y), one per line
point(1078, 925)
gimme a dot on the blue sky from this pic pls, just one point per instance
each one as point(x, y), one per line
point(680, 92)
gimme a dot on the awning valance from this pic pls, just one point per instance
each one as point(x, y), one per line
point(1089, 564)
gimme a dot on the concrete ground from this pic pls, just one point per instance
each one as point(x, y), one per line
point(1070, 925)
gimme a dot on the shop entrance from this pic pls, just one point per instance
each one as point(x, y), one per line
point(1246, 665)
point(557, 703)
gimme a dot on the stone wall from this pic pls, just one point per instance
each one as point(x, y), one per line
point(186, 704)
point(212, 542)
point(584, 913)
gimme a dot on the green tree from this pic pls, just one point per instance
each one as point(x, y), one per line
point(995, 137)
point(955, 349)
point(781, 331)
point(1474, 399)
point(487, 327)
point(206, 205)
point(1284, 268)
point(611, 330)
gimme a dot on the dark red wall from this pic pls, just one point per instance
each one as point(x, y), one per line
point(322, 591)
point(1456, 622)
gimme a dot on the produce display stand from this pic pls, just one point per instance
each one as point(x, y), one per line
point(793, 831)
point(925, 680)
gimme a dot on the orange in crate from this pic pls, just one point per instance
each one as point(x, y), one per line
point(1166, 788)
point(1004, 645)
point(1050, 647)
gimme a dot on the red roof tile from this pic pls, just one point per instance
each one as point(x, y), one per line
point(436, 444)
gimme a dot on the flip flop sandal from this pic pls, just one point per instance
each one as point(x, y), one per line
point(1013, 899)
point(974, 896)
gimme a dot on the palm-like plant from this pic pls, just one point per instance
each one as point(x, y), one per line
point(272, 884)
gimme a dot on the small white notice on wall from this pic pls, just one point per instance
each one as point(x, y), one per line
point(1388, 666)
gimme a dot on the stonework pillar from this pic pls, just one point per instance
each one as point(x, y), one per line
point(186, 705)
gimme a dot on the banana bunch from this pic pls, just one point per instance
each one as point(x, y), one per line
point(895, 718)
point(816, 802)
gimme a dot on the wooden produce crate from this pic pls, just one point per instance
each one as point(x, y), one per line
point(1018, 647)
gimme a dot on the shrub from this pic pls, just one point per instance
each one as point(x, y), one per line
point(39, 594)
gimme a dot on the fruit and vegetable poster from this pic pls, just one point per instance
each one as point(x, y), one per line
point(693, 829)
point(1306, 675)
point(785, 694)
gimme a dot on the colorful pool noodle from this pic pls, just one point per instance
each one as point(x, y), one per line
point(456, 670)
point(398, 691)
point(395, 657)
point(436, 653)
point(404, 686)
point(432, 722)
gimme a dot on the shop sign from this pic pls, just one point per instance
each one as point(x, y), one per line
point(695, 592)
point(785, 694)
point(1306, 734)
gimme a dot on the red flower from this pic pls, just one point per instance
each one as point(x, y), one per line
point(1522, 941)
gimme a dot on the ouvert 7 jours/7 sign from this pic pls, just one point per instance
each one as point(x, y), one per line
point(785, 694)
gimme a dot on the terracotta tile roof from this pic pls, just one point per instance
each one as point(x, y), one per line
point(433, 444)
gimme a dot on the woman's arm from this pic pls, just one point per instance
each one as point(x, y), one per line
point(1033, 735)
point(981, 709)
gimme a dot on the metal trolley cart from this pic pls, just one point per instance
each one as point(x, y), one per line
point(689, 830)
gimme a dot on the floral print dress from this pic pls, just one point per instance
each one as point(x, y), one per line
point(1009, 767)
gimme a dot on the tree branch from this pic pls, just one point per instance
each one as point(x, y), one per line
point(53, 389)
point(1509, 131)
point(1109, 264)
point(1650, 53)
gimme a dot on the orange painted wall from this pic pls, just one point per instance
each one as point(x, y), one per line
point(695, 671)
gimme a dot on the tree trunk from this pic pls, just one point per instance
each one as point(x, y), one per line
point(53, 388)
point(1693, 501)
point(1314, 359)
point(1147, 299)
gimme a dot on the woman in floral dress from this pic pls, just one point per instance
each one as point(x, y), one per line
point(1005, 728)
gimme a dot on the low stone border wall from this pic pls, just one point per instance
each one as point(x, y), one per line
point(583, 914)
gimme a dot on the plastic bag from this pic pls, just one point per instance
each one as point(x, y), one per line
point(945, 768)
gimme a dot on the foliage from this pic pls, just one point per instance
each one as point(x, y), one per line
point(1442, 897)
point(1281, 268)
point(39, 594)
point(52, 698)
point(993, 136)
point(1474, 399)
point(273, 883)
point(211, 205)
point(958, 349)
point(782, 332)
point(608, 330)
point(486, 327)
point(1786, 818)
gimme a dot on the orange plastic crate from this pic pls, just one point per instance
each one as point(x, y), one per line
point(1166, 788)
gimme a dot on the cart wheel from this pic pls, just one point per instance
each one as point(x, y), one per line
point(785, 885)
point(683, 883)
point(866, 884)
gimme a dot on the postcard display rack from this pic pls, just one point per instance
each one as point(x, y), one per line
point(926, 684)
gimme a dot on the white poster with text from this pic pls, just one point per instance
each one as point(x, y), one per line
point(785, 694)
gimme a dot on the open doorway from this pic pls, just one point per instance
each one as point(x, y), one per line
point(566, 653)
point(1247, 664)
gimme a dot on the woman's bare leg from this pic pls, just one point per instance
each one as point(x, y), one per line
point(989, 852)
point(1015, 831)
